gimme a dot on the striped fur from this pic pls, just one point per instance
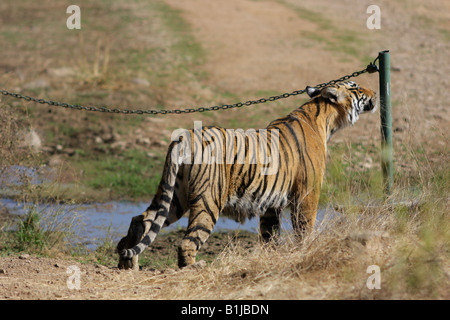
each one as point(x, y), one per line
point(211, 171)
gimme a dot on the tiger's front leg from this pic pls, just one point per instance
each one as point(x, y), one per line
point(269, 224)
point(202, 219)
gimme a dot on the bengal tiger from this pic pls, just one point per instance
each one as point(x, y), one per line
point(210, 170)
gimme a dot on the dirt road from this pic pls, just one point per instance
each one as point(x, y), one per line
point(284, 45)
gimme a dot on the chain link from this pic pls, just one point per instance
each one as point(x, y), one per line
point(370, 69)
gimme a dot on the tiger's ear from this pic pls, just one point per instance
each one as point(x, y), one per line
point(312, 91)
point(333, 94)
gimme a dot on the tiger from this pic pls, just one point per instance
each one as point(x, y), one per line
point(210, 171)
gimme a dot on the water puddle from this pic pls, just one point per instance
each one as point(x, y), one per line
point(94, 223)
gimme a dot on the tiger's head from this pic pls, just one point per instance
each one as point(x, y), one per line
point(350, 99)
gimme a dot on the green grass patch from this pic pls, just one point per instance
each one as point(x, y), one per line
point(350, 179)
point(185, 45)
point(43, 229)
point(29, 232)
point(445, 33)
point(346, 42)
point(132, 175)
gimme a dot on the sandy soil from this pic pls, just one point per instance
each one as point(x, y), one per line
point(31, 277)
point(259, 45)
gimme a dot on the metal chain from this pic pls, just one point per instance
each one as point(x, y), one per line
point(370, 69)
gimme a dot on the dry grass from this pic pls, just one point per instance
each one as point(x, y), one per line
point(409, 244)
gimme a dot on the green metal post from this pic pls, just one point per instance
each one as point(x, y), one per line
point(386, 120)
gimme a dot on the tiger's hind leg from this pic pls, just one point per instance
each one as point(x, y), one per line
point(269, 224)
point(201, 223)
point(178, 206)
point(140, 226)
point(303, 214)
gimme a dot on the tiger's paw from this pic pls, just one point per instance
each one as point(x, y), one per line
point(128, 263)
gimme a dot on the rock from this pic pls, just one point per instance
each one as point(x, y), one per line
point(2, 271)
point(120, 145)
point(61, 72)
point(49, 150)
point(367, 236)
point(157, 143)
point(55, 161)
point(24, 256)
point(98, 140)
point(151, 155)
point(30, 139)
point(168, 271)
point(36, 84)
point(141, 81)
point(102, 267)
point(198, 265)
point(368, 163)
point(70, 151)
point(108, 137)
point(143, 141)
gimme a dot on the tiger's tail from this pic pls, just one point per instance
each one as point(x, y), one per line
point(159, 208)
